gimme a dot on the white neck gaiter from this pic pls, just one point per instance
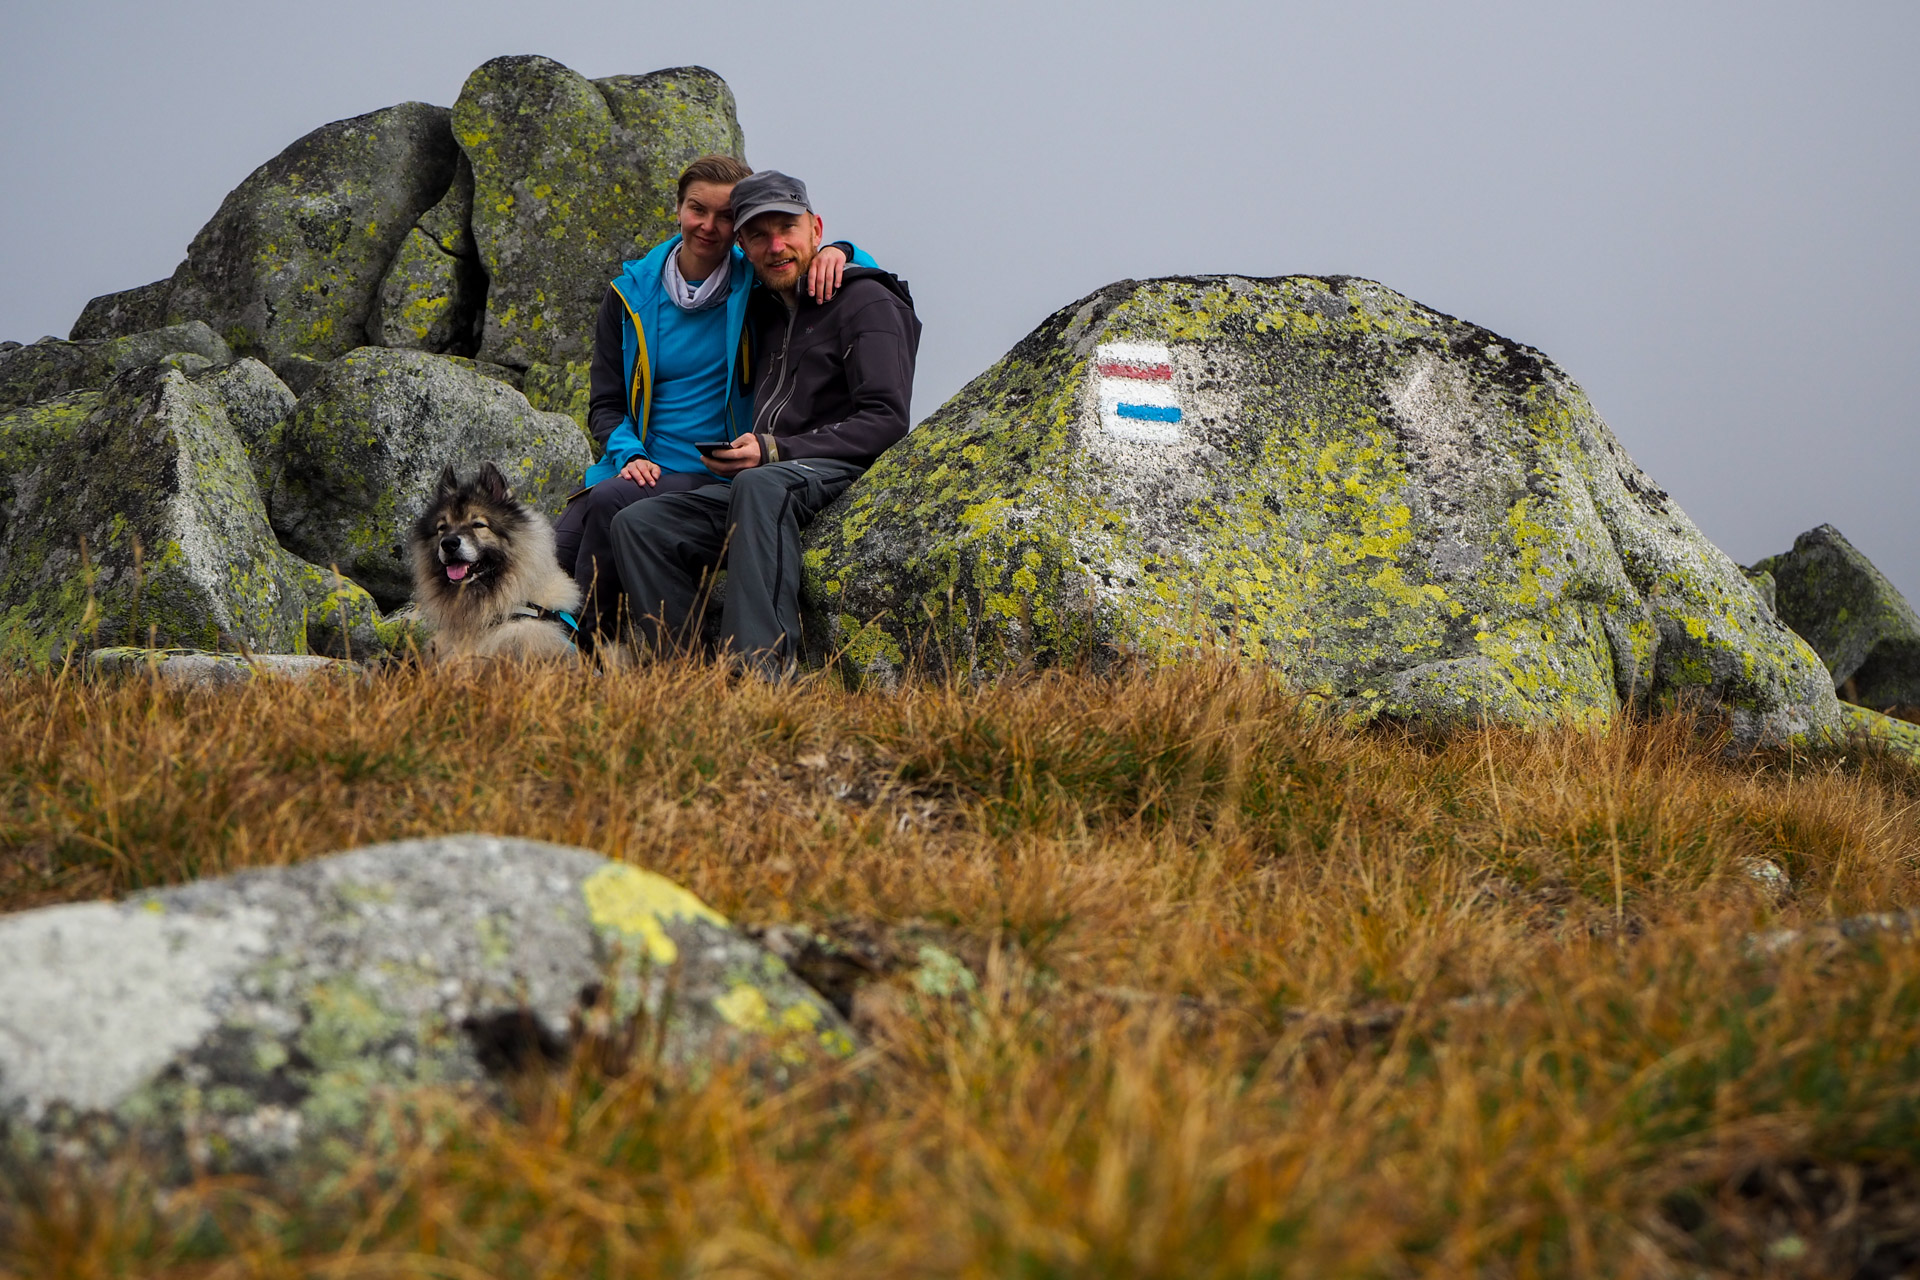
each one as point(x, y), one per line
point(708, 293)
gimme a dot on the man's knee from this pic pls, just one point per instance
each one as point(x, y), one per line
point(758, 487)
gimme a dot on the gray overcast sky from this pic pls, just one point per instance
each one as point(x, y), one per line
point(1705, 212)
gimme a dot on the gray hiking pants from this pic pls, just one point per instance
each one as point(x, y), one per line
point(665, 545)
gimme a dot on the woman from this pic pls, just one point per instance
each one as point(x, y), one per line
point(670, 368)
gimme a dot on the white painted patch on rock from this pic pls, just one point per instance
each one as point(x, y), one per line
point(1138, 399)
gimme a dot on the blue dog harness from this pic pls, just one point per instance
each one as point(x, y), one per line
point(561, 616)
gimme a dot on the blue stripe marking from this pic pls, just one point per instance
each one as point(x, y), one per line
point(1148, 412)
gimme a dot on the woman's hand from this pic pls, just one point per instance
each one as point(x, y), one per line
point(823, 277)
point(642, 471)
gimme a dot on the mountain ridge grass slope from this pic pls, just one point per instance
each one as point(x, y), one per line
point(1245, 992)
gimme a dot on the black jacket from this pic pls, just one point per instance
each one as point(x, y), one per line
point(834, 379)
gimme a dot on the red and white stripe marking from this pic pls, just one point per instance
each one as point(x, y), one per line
point(1137, 397)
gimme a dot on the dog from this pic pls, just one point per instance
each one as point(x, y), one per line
point(485, 576)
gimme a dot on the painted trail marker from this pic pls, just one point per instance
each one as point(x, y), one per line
point(1137, 399)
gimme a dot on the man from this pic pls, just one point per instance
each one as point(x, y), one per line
point(832, 384)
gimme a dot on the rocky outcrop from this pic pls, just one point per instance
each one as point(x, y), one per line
point(50, 367)
point(572, 176)
point(290, 263)
point(254, 1023)
point(132, 515)
point(1859, 624)
point(138, 520)
point(361, 451)
point(1407, 514)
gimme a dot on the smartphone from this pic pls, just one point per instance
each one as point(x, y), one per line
point(708, 448)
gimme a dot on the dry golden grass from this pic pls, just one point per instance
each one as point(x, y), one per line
point(1257, 996)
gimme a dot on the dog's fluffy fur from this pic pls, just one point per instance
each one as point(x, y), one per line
point(479, 554)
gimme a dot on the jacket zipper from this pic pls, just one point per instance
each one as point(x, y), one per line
point(774, 403)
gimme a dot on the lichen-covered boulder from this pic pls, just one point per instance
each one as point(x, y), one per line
point(572, 176)
point(135, 518)
point(290, 262)
point(1856, 620)
point(114, 315)
point(1407, 514)
point(361, 451)
point(51, 367)
point(257, 1022)
point(28, 436)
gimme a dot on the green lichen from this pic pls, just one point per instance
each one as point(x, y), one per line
point(138, 521)
point(561, 388)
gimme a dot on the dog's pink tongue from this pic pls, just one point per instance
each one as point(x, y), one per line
point(455, 572)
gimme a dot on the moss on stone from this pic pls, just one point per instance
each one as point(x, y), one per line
point(561, 388)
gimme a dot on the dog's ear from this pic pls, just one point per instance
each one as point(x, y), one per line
point(449, 484)
point(494, 485)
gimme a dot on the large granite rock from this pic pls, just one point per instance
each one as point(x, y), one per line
point(256, 1022)
point(290, 263)
point(1407, 514)
point(141, 522)
point(51, 367)
point(1856, 620)
point(361, 452)
point(572, 176)
point(434, 294)
point(132, 515)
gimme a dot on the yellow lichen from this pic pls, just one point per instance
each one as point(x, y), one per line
point(640, 904)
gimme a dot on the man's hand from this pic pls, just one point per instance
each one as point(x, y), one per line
point(823, 277)
point(743, 453)
point(642, 471)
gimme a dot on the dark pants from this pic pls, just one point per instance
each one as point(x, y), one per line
point(580, 536)
point(666, 547)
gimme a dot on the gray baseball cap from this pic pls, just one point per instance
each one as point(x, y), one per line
point(768, 191)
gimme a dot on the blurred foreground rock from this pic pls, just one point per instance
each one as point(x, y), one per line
point(258, 1022)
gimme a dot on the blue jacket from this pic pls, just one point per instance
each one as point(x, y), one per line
point(641, 304)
